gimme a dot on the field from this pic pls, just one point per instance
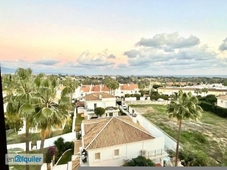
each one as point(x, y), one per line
point(208, 135)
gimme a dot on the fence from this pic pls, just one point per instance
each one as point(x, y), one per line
point(170, 143)
point(147, 102)
point(48, 142)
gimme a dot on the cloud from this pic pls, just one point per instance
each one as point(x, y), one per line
point(154, 57)
point(47, 62)
point(96, 60)
point(111, 56)
point(223, 46)
point(169, 42)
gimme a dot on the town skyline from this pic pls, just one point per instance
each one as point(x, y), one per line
point(115, 38)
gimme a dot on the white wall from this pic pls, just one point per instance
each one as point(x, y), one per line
point(130, 99)
point(48, 142)
point(105, 102)
point(222, 103)
point(126, 151)
point(170, 142)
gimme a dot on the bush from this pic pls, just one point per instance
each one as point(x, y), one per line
point(99, 111)
point(139, 161)
point(219, 111)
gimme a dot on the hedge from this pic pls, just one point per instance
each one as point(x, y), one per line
point(222, 112)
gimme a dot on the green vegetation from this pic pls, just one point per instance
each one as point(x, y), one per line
point(203, 136)
point(13, 137)
point(66, 157)
point(79, 120)
point(139, 161)
point(184, 106)
point(99, 111)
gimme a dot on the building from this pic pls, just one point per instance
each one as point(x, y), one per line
point(100, 99)
point(222, 101)
point(126, 89)
point(172, 90)
point(113, 140)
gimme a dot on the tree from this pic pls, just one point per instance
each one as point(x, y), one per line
point(139, 161)
point(13, 121)
point(21, 98)
point(204, 91)
point(49, 113)
point(111, 84)
point(183, 106)
point(99, 111)
point(197, 91)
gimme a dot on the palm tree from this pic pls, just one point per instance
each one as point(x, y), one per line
point(19, 100)
point(111, 84)
point(49, 113)
point(183, 106)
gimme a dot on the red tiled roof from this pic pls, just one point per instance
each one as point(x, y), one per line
point(95, 96)
point(104, 88)
point(129, 86)
point(158, 165)
point(96, 88)
point(112, 131)
point(85, 88)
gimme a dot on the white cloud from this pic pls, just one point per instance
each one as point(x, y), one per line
point(223, 46)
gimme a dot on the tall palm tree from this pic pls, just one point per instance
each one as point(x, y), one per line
point(183, 106)
point(19, 100)
point(204, 91)
point(49, 113)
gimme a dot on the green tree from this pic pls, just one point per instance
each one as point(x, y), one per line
point(204, 91)
point(197, 91)
point(50, 113)
point(99, 111)
point(183, 106)
point(20, 100)
point(13, 121)
point(111, 84)
point(139, 161)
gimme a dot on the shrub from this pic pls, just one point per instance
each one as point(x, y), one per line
point(139, 161)
point(99, 111)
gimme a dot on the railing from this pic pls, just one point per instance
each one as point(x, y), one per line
point(157, 153)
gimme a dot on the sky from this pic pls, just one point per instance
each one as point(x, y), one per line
point(115, 37)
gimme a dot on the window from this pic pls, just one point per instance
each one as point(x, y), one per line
point(97, 156)
point(116, 152)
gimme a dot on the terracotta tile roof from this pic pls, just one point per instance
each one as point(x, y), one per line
point(79, 104)
point(222, 97)
point(85, 88)
point(95, 96)
point(104, 88)
point(129, 86)
point(96, 88)
point(104, 132)
point(158, 165)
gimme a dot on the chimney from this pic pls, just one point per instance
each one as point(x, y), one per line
point(82, 129)
point(100, 97)
point(134, 119)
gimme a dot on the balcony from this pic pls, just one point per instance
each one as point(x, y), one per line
point(155, 154)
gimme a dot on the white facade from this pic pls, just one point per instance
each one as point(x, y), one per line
point(128, 151)
point(90, 105)
point(222, 102)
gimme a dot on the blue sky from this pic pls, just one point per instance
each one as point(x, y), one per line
point(115, 37)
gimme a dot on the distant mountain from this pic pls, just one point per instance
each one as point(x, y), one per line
point(7, 70)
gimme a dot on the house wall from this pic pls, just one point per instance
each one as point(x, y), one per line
point(222, 103)
point(105, 102)
point(170, 143)
point(126, 151)
point(172, 91)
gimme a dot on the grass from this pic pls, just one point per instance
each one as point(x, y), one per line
point(66, 157)
point(13, 137)
point(202, 136)
point(79, 120)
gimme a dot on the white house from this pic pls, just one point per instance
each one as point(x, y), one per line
point(127, 89)
point(112, 140)
point(222, 101)
point(101, 99)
